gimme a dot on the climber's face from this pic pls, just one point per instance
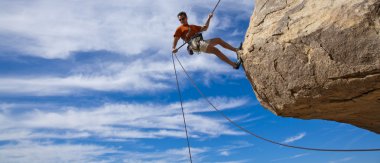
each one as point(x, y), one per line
point(182, 19)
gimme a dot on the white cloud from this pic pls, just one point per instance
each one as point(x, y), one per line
point(171, 155)
point(253, 119)
point(294, 138)
point(342, 160)
point(227, 150)
point(240, 161)
point(128, 79)
point(236, 32)
point(33, 152)
point(55, 29)
point(114, 121)
point(22, 134)
point(290, 157)
point(224, 153)
point(138, 76)
point(41, 152)
point(175, 155)
point(220, 103)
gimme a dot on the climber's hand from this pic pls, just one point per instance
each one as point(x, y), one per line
point(210, 15)
point(174, 50)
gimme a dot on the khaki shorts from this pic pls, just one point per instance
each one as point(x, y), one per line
point(200, 45)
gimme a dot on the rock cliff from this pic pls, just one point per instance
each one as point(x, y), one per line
point(316, 59)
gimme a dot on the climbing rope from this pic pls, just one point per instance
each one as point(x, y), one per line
point(183, 113)
point(180, 94)
point(253, 134)
point(215, 7)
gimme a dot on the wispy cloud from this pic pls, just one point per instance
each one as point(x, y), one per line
point(127, 77)
point(134, 77)
point(171, 155)
point(294, 138)
point(120, 121)
point(238, 161)
point(224, 153)
point(27, 151)
point(253, 119)
point(342, 160)
point(227, 150)
point(290, 157)
point(109, 123)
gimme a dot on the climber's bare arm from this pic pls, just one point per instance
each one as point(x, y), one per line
point(205, 27)
point(174, 50)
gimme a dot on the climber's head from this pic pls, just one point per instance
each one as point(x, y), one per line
point(182, 17)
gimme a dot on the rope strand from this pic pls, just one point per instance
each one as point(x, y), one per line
point(180, 94)
point(183, 113)
point(260, 137)
point(215, 6)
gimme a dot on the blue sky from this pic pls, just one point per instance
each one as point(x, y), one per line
point(92, 81)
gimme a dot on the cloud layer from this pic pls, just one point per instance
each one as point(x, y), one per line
point(56, 29)
point(134, 77)
point(115, 121)
point(134, 39)
point(33, 134)
point(37, 152)
point(140, 30)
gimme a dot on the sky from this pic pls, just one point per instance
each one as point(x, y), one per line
point(93, 81)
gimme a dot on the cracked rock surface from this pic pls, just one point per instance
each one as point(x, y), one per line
point(316, 59)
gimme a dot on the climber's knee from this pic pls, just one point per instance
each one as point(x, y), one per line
point(215, 41)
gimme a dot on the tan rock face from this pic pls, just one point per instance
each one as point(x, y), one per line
point(316, 59)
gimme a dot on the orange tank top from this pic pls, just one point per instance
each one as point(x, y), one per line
point(184, 29)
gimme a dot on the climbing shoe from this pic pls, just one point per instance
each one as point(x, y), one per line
point(238, 49)
point(238, 63)
point(241, 46)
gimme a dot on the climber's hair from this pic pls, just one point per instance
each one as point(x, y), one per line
point(182, 13)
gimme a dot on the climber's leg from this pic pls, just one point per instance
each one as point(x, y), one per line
point(218, 53)
point(219, 41)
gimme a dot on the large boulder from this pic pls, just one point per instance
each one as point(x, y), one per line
point(313, 59)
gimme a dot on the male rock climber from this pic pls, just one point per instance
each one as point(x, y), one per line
point(189, 33)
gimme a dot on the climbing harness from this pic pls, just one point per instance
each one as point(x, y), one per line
point(260, 137)
point(189, 50)
point(195, 43)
